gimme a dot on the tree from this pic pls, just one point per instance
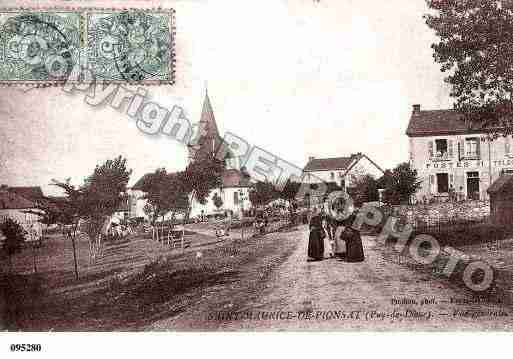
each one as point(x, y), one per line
point(200, 177)
point(92, 204)
point(218, 201)
point(289, 191)
point(400, 184)
point(164, 192)
point(365, 190)
point(475, 47)
point(263, 193)
point(14, 238)
point(148, 211)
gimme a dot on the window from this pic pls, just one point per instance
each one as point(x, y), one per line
point(442, 182)
point(332, 176)
point(236, 198)
point(441, 147)
point(472, 147)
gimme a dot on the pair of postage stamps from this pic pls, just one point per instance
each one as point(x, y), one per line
point(53, 46)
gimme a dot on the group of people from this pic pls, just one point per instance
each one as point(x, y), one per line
point(330, 238)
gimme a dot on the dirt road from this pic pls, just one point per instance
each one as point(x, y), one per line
point(374, 295)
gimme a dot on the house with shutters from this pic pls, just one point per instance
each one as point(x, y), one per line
point(452, 155)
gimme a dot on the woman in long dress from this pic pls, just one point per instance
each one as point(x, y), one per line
point(347, 241)
point(354, 247)
point(316, 238)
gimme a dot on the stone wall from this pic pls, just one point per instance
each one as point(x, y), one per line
point(467, 210)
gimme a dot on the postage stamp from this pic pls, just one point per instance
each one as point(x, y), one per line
point(50, 47)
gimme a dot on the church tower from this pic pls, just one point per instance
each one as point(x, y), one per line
point(210, 140)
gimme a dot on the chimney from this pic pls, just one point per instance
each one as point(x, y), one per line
point(311, 158)
point(416, 108)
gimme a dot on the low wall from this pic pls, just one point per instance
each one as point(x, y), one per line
point(468, 210)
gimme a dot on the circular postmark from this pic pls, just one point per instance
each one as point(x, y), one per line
point(39, 46)
point(131, 46)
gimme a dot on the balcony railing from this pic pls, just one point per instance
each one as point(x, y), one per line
point(441, 156)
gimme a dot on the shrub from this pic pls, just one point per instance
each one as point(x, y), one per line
point(14, 236)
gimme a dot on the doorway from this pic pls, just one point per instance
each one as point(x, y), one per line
point(473, 185)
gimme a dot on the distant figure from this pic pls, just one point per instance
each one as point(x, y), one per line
point(461, 194)
point(228, 223)
point(452, 194)
point(316, 238)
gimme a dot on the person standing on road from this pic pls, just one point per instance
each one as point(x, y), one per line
point(316, 238)
point(353, 241)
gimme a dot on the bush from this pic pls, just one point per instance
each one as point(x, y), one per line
point(14, 236)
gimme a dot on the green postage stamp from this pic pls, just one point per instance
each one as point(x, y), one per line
point(53, 46)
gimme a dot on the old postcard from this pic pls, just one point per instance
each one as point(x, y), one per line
point(300, 165)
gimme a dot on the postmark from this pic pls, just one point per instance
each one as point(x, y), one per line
point(54, 46)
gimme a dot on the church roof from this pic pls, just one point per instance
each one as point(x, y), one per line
point(207, 118)
point(210, 140)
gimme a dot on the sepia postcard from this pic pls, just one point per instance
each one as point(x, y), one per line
point(249, 166)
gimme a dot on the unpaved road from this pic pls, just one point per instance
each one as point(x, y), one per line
point(336, 295)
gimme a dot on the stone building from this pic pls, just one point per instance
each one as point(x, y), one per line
point(454, 156)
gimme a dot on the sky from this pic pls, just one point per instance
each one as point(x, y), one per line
point(298, 78)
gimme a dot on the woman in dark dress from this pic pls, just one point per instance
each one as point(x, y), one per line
point(316, 239)
point(354, 246)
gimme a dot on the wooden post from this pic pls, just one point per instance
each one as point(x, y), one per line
point(74, 251)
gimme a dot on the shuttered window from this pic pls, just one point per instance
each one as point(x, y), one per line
point(472, 147)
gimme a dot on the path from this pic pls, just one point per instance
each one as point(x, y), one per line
point(365, 292)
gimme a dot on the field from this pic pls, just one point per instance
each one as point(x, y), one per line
point(134, 284)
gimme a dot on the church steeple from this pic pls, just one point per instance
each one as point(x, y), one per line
point(210, 139)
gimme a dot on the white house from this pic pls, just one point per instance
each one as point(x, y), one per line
point(234, 193)
point(14, 206)
point(343, 171)
point(338, 173)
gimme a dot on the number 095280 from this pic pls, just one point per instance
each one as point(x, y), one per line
point(25, 347)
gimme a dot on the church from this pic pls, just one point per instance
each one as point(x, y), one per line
point(235, 186)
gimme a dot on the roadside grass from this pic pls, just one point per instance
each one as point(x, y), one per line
point(232, 271)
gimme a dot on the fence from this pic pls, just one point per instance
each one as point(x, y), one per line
point(254, 227)
point(444, 225)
